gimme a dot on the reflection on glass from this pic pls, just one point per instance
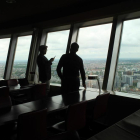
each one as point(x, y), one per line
point(128, 70)
point(4, 45)
point(57, 44)
point(21, 57)
point(93, 47)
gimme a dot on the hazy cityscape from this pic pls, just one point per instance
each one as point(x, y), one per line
point(127, 75)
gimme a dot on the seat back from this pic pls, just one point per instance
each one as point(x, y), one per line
point(76, 116)
point(101, 103)
point(69, 135)
point(32, 125)
point(3, 83)
point(5, 100)
point(23, 82)
point(12, 82)
point(39, 91)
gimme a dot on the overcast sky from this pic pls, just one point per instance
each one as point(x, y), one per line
point(93, 42)
point(57, 43)
point(4, 44)
point(22, 50)
point(130, 44)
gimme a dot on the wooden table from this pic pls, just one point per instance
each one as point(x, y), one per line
point(126, 129)
point(52, 104)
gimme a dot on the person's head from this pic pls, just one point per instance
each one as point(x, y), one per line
point(43, 49)
point(74, 47)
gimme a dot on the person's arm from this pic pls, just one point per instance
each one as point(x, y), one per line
point(48, 63)
point(82, 71)
point(59, 66)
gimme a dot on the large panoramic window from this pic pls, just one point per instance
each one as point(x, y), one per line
point(57, 44)
point(4, 45)
point(94, 42)
point(21, 57)
point(128, 70)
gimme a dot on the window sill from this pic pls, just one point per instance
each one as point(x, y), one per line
point(104, 91)
point(125, 94)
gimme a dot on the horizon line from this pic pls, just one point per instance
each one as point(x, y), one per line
point(82, 58)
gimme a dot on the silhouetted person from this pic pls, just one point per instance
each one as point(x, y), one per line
point(71, 64)
point(71, 98)
point(44, 66)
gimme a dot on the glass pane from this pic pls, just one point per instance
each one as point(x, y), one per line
point(93, 47)
point(21, 57)
point(128, 69)
point(57, 44)
point(4, 45)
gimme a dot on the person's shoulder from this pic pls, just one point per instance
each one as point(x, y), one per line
point(42, 58)
point(64, 55)
point(39, 55)
point(79, 57)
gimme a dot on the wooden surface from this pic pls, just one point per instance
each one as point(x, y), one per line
point(51, 103)
point(126, 129)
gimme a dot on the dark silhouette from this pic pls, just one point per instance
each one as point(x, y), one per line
point(68, 98)
point(44, 66)
point(71, 64)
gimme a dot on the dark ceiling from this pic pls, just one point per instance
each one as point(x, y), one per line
point(30, 11)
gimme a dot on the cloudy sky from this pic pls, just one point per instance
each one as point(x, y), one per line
point(22, 49)
point(4, 44)
point(90, 40)
point(23, 46)
point(93, 42)
point(57, 43)
point(130, 43)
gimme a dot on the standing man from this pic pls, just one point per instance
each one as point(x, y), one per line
point(44, 66)
point(71, 64)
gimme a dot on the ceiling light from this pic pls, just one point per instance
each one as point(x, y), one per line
point(10, 1)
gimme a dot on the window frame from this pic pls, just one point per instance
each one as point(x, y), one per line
point(75, 33)
point(43, 39)
point(53, 29)
point(39, 37)
point(11, 54)
point(116, 46)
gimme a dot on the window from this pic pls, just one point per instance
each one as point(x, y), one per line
point(94, 42)
point(127, 77)
point(57, 44)
point(4, 45)
point(21, 57)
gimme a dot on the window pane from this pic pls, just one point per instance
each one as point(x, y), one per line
point(57, 44)
point(21, 57)
point(128, 69)
point(4, 45)
point(93, 47)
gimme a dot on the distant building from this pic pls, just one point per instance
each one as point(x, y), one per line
point(129, 80)
point(126, 85)
point(117, 82)
point(122, 84)
point(138, 85)
point(128, 73)
point(124, 78)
